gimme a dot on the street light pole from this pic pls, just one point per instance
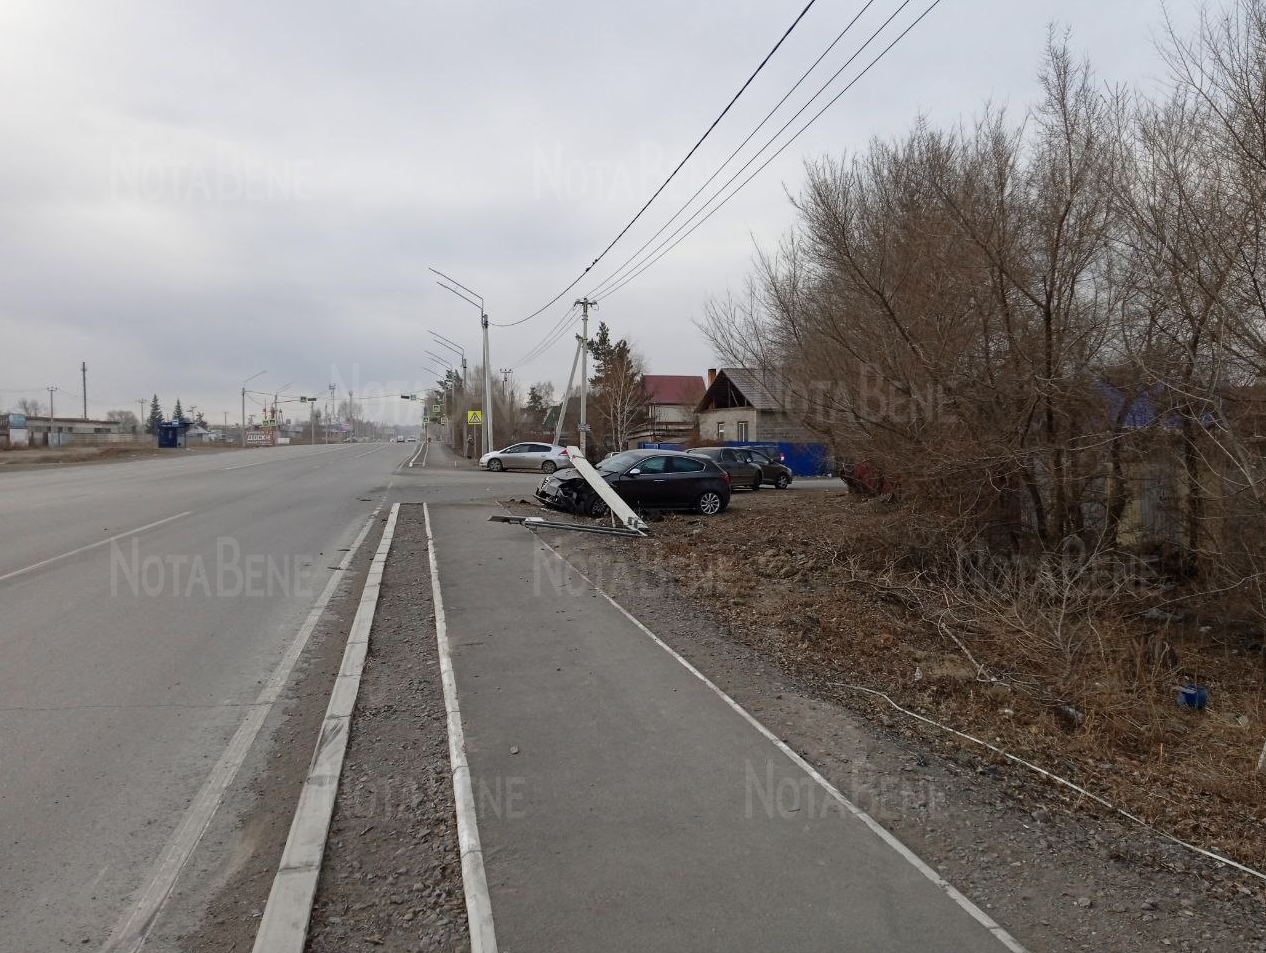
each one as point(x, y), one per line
point(483, 323)
point(244, 383)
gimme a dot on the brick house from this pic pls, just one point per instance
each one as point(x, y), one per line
point(741, 405)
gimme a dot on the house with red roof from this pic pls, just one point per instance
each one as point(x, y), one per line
point(671, 412)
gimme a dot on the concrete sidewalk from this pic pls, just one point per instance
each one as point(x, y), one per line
point(623, 804)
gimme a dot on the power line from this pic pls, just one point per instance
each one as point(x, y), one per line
point(671, 175)
point(739, 148)
point(551, 338)
point(657, 254)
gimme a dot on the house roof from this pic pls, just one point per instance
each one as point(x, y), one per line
point(739, 386)
point(674, 388)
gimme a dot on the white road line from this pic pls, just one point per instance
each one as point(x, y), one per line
point(284, 925)
point(133, 928)
point(483, 938)
point(424, 449)
point(83, 549)
point(1003, 937)
point(283, 459)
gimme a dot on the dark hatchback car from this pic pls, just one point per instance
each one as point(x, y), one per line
point(745, 473)
point(646, 480)
point(774, 472)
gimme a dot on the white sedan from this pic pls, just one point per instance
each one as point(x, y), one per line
point(546, 457)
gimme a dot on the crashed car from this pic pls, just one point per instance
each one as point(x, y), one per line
point(646, 480)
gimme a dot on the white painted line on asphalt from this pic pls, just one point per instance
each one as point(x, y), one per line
point(83, 549)
point(283, 459)
point(133, 928)
point(483, 938)
point(1003, 937)
point(424, 450)
point(284, 926)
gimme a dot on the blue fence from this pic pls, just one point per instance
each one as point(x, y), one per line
point(805, 459)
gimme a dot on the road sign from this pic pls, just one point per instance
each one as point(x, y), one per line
point(474, 417)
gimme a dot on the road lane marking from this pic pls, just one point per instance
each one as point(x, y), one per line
point(283, 459)
point(83, 549)
point(986, 921)
point(425, 446)
point(483, 937)
point(134, 926)
point(283, 928)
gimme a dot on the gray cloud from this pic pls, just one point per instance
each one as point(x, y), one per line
point(192, 192)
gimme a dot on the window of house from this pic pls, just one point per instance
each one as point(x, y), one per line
point(741, 427)
point(720, 431)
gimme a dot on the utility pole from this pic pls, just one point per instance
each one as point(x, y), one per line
point(83, 369)
point(585, 304)
point(141, 419)
point(330, 415)
point(51, 416)
point(487, 427)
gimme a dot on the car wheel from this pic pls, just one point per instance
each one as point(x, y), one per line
point(495, 465)
point(782, 482)
point(549, 466)
point(709, 503)
point(596, 507)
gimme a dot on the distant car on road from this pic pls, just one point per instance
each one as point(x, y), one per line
point(744, 473)
point(399, 438)
point(413, 440)
point(645, 479)
point(546, 457)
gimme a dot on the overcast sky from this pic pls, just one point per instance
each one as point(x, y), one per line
point(192, 192)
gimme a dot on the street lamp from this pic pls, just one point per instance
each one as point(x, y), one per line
point(483, 323)
point(244, 383)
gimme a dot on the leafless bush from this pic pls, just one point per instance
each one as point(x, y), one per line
point(1045, 333)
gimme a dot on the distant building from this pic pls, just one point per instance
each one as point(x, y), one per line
point(61, 431)
point(671, 410)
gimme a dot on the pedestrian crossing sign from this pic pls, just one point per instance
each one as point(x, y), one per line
point(474, 416)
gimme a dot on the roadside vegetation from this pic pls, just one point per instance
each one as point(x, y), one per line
point(1047, 335)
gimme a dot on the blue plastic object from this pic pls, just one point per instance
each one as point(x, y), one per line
point(1194, 696)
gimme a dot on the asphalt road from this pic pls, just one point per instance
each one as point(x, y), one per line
point(143, 605)
point(129, 662)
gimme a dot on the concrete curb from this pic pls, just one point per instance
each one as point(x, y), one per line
point(284, 925)
point(483, 936)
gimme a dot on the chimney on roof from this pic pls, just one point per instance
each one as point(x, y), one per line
point(712, 375)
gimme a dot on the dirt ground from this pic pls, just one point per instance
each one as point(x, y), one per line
point(739, 597)
point(68, 456)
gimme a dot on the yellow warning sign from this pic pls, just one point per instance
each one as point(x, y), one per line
point(474, 417)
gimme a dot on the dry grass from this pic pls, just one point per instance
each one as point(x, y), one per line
point(1082, 686)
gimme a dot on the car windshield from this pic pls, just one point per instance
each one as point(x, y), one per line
point(619, 462)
